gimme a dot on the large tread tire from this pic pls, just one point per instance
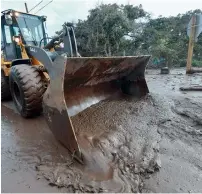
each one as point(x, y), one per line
point(5, 90)
point(27, 89)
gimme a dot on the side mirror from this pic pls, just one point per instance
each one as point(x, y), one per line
point(8, 19)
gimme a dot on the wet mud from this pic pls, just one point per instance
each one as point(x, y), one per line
point(129, 145)
point(119, 148)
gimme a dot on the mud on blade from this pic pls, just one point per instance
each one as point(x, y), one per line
point(77, 83)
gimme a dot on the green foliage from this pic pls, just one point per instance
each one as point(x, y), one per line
point(182, 62)
point(105, 30)
point(196, 63)
point(112, 29)
point(167, 37)
point(133, 13)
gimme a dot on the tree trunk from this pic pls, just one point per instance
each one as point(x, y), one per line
point(109, 49)
point(105, 49)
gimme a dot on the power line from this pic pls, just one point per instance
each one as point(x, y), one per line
point(36, 5)
point(44, 6)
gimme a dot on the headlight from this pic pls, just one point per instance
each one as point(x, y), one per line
point(17, 39)
point(16, 14)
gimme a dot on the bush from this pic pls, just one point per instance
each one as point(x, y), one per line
point(182, 62)
point(196, 63)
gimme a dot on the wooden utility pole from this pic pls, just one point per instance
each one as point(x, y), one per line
point(191, 45)
point(26, 7)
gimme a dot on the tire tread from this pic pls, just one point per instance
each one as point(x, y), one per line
point(33, 89)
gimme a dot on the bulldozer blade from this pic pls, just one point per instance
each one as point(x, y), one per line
point(78, 83)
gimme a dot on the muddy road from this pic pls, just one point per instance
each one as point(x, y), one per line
point(148, 145)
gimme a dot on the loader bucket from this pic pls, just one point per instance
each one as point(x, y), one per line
point(78, 83)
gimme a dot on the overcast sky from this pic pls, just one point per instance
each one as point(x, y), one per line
point(60, 11)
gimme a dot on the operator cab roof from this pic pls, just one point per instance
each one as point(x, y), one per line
point(15, 12)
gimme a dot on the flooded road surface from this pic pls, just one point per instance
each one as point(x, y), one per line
point(114, 158)
point(169, 84)
point(181, 143)
point(133, 137)
point(24, 143)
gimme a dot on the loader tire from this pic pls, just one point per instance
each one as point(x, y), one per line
point(27, 90)
point(5, 90)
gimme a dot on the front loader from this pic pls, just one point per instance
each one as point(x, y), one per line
point(40, 75)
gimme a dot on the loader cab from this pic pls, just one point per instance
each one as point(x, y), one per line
point(29, 27)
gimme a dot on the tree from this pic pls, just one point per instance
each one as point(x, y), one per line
point(116, 30)
point(167, 37)
point(105, 30)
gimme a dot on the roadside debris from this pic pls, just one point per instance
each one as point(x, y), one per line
point(191, 88)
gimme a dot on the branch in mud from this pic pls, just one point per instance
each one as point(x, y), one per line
point(195, 70)
point(191, 88)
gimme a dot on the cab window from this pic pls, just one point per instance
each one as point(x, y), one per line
point(8, 34)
